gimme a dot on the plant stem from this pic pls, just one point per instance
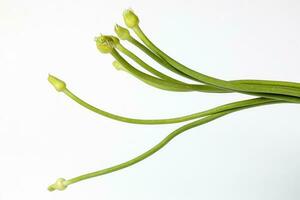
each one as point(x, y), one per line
point(160, 83)
point(158, 59)
point(234, 105)
point(214, 81)
point(258, 83)
point(131, 55)
point(153, 150)
point(164, 63)
point(166, 85)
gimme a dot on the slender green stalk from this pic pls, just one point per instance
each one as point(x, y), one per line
point(168, 85)
point(131, 55)
point(124, 34)
point(119, 30)
point(269, 91)
point(161, 61)
point(158, 59)
point(106, 44)
point(238, 104)
point(103, 43)
point(62, 184)
point(132, 21)
point(211, 80)
point(160, 83)
point(163, 84)
point(281, 84)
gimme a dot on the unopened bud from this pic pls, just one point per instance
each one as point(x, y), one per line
point(58, 84)
point(122, 32)
point(60, 184)
point(118, 66)
point(104, 44)
point(131, 20)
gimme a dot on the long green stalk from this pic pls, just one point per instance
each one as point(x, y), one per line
point(284, 84)
point(132, 21)
point(238, 104)
point(268, 91)
point(211, 80)
point(62, 184)
point(163, 84)
point(209, 88)
point(160, 83)
point(62, 87)
point(131, 55)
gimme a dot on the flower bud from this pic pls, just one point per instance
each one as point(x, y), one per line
point(58, 84)
point(60, 184)
point(122, 32)
point(118, 66)
point(104, 44)
point(131, 20)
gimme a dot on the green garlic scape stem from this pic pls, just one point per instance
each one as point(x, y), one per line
point(62, 184)
point(200, 88)
point(163, 84)
point(283, 84)
point(169, 85)
point(124, 34)
point(239, 104)
point(104, 40)
point(269, 92)
point(154, 82)
point(218, 82)
point(132, 21)
point(250, 81)
point(135, 58)
point(208, 88)
point(106, 44)
point(160, 83)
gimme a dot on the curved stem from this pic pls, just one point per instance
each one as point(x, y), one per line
point(166, 85)
point(159, 59)
point(258, 83)
point(155, 72)
point(214, 81)
point(243, 81)
point(230, 106)
point(151, 151)
point(160, 83)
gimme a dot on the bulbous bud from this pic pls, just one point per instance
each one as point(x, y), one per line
point(104, 44)
point(131, 20)
point(118, 66)
point(122, 32)
point(58, 185)
point(58, 84)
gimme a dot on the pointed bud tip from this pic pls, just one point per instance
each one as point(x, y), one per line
point(122, 32)
point(58, 84)
point(130, 18)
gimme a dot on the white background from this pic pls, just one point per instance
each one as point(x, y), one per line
point(250, 155)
